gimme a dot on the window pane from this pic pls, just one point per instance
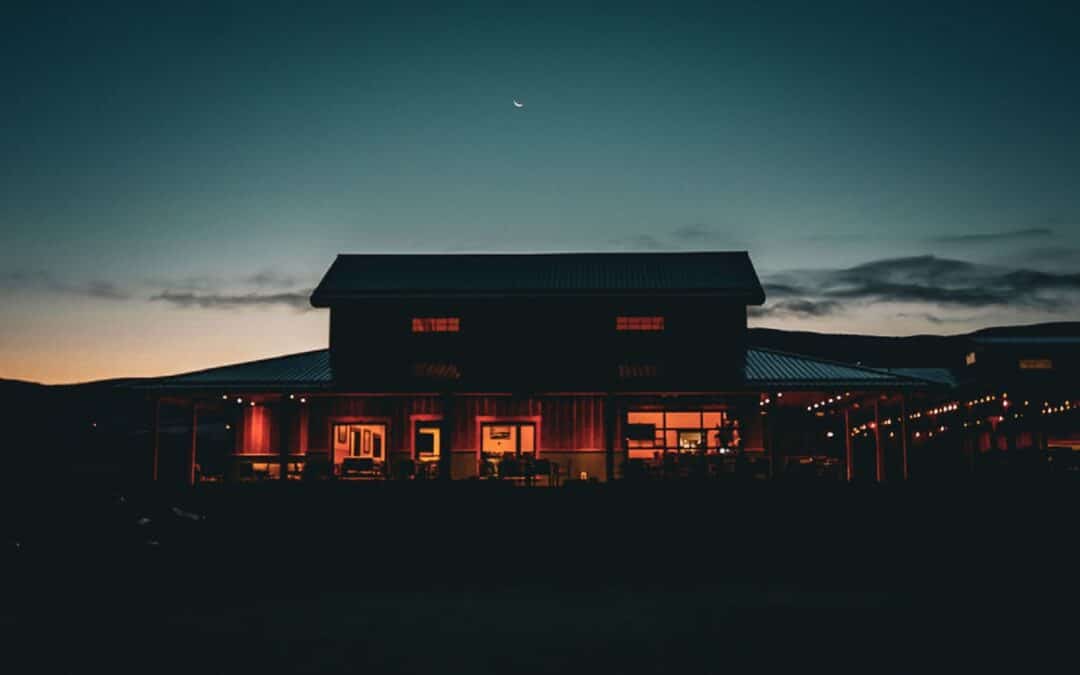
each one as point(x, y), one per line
point(684, 420)
point(436, 324)
point(711, 420)
point(654, 418)
point(499, 438)
point(427, 440)
point(639, 323)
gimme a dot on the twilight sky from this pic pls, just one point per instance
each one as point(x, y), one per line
point(174, 181)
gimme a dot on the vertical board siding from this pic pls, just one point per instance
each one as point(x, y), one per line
point(567, 423)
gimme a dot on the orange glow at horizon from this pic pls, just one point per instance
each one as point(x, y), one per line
point(85, 341)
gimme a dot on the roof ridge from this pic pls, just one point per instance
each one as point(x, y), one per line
point(419, 254)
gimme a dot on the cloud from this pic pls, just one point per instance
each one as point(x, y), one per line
point(639, 242)
point(693, 233)
point(926, 281)
point(802, 308)
point(105, 290)
point(678, 238)
point(22, 280)
point(272, 278)
point(994, 237)
point(298, 300)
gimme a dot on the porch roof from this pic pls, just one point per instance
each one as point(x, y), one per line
point(773, 369)
point(305, 370)
point(764, 368)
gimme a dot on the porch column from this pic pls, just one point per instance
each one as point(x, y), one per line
point(284, 414)
point(446, 444)
point(192, 447)
point(879, 449)
point(610, 420)
point(849, 456)
point(903, 434)
point(155, 439)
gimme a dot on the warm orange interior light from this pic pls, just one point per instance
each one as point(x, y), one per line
point(436, 324)
point(639, 323)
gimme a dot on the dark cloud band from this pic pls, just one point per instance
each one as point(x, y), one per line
point(298, 300)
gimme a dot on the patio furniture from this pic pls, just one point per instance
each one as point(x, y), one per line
point(360, 467)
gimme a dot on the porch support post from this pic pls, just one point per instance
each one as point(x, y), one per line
point(903, 435)
point(879, 449)
point(155, 440)
point(849, 455)
point(768, 440)
point(446, 440)
point(610, 420)
point(284, 411)
point(192, 447)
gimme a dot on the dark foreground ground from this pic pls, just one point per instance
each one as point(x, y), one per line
point(474, 578)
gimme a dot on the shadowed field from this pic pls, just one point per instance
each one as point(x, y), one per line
point(481, 578)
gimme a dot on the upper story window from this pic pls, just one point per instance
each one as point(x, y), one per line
point(1036, 364)
point(436, 324)
point(639, 323)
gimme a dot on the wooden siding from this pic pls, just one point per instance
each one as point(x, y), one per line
point(567, 423)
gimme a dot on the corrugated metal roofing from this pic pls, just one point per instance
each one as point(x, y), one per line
point(764, 368)
point(726, 273)
point(942, 376)
point(306, 369)
point(770, 368)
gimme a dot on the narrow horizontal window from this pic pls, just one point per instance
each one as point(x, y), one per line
point(629, 371)
point(639, 323)
point(1036, 364)
point(439, 371)
point(436, 324)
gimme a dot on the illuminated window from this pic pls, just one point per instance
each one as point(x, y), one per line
point(969, 358)
point(436, 324)
point(639, 323)
point(650, 434)
point(428, 440)
point(1036, 364)
point(507, 438)
point(359, 445)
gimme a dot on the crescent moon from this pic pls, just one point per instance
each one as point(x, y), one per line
point(518, 105)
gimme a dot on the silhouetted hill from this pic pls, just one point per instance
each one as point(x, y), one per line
point(18, 386)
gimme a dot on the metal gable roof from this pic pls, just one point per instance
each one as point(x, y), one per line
point(725, 273)
point(306, 369)
point(771, 368)
point(763, 368)
point(942, 376)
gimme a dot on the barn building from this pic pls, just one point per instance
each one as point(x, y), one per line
point(544, 368)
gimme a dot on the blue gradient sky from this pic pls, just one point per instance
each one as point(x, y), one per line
point(175, 180)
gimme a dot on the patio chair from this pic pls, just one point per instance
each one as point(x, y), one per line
point(539, 468)
point(511, 469)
